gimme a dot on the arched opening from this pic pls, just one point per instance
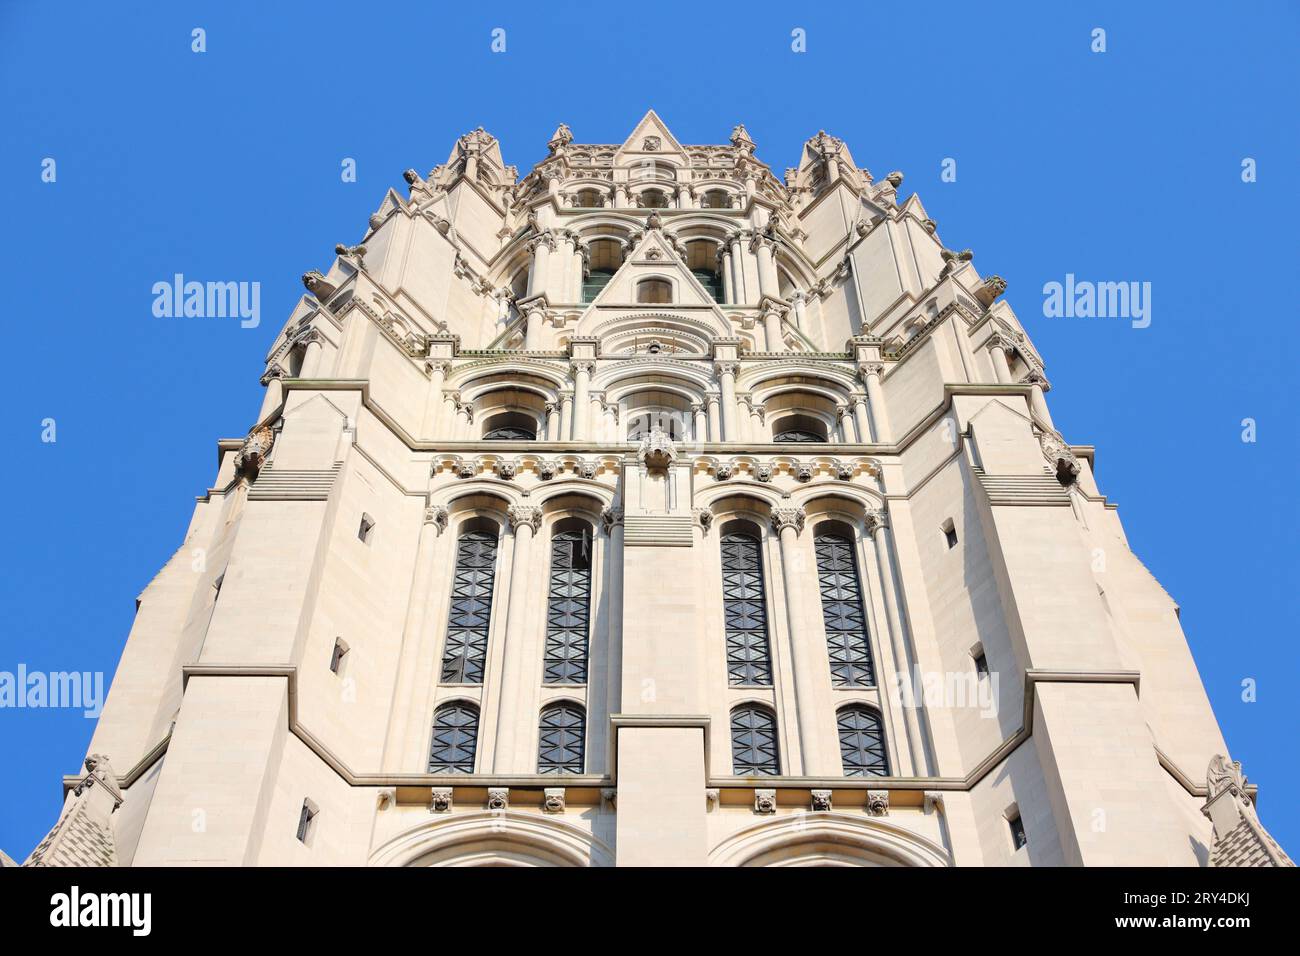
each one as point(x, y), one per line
point(588, 199)
point(702, 260)
point(653, 199)
point(744, 606)
point(715, 199)
point(455, 738)
point(671, 413)
point(510, 426)
point(654, 291)
point(862, 742)
point(799, 428)
point(604, 256)
point(562, 736)
point(754, 749)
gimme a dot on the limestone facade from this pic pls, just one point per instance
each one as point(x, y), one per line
point(653, 509)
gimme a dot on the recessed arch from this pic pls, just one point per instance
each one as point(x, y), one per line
point(485, 838)
point(810, 839)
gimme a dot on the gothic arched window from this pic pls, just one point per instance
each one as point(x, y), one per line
point(754, 748)
point(562, 736)
point(471, 608)
point(715, 199)
point(744, 606)
point(455, 738)
point(842, 613)
point(568, 609)
point(862, 742)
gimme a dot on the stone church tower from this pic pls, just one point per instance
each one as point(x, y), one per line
point(653, 509)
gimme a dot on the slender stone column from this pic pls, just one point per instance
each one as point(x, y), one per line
point(612, 521)
point(772, 329)
point(533, 320)
point(417, 613)
point(860, 418)
point(764, 247)
point(715, 419)
point(1038, 385)
point(737, 267)
point(539, 274)
point(870, 373)
point(700, 422)
point(273, 380)
point(724, 267)
point(620, 195)
point(787, 523)
point(877, 527)
point(552, 421)
point(756, 427)
point(998, 346)
point(581, 399)
point(800, 303)
point(433, 400)
point(727, 376)
point(566, 415)
point(515, 711)
point(311, 358)
point(847, 428)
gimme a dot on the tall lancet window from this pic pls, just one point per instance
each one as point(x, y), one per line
point(744, 603)
point(562, 737)
point(568, 608)
point(471, 608)
point(455, 738)
point(842, 613)
point(754, 748)
point(862, 742)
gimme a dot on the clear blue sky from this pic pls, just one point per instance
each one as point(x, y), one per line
point(225, 166)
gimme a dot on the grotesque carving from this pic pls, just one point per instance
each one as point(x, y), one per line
point(993, 287)
point(440, 800)
point(438, 515)
point(705, 517)
point(254, 450)
point(609, 517)
point(821, 800)
point(506, 470)
point(878, 803)
point(318, 285)
point(724, 470)
point(498, 798)
point(553, 800)
point(657, 449)
point(765, 801)
point(803, 472)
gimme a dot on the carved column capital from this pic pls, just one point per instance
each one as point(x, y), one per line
point(877, 520)
point(1035, 376)
point(726, 368)
point(437, 515)
point(783, 518)
point(867, 369)
point(610, 518)
point(525, 515)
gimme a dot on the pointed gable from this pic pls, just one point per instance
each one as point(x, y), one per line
point(654, 257)
point(651, 140)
